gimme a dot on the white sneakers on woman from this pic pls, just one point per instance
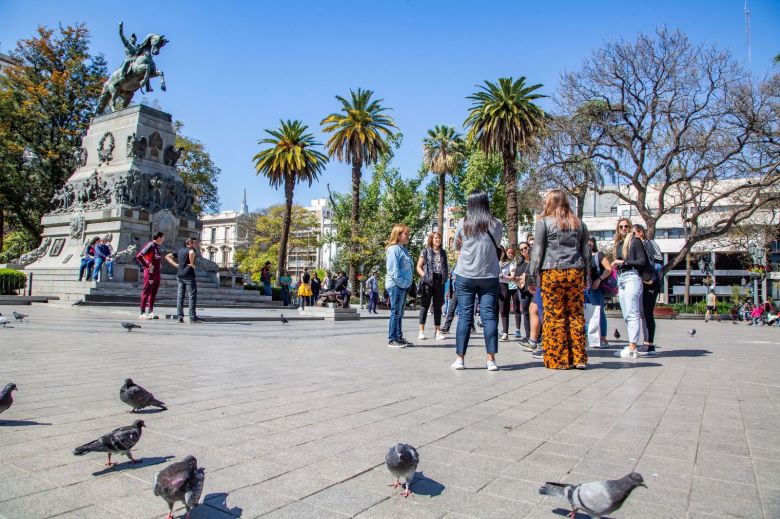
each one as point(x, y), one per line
point(440, 336)
point(626, 353)
point(458, 364)
point(421, 336)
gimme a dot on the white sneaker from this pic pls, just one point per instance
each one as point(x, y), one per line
point(151, 315)
point(440, 336)
point(491, 365)
point(458, 364)
point(143, 317)
point(626, 353)
point(504, 337)
point(421, 336)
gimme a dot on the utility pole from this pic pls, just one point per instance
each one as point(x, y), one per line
point(747, 33)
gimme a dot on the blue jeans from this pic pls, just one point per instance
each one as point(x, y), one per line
point(467, 290)
point(397, 305)
point(267, 288)
point(373, 299)
point(596, 297)
point(99, 262)
point(86, 266)
point(285, 295)
point(190, 285)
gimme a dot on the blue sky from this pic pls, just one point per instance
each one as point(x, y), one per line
point(235, 68)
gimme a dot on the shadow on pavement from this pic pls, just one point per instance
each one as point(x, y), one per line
point(425, 486)
point(145, 462)
point(215, 505)
point(19, 423)
point(567, 513)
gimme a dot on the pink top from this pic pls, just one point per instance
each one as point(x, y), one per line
point(757, 312)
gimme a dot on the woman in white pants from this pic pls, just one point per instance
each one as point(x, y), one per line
point(629, 261)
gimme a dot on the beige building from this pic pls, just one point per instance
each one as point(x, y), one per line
point(320, 257)
point(5, 62)
point(222, 234)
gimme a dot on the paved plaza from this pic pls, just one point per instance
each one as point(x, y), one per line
point(295, 421)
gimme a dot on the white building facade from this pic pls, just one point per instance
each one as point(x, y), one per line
point(320, 257)
point(223, 233)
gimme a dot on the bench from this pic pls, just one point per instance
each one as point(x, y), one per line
point(664, 312)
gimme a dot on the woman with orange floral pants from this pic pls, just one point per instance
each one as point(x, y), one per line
point(561, 258)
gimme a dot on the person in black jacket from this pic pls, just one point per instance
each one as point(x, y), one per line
point(433, 270)
point(630, 261)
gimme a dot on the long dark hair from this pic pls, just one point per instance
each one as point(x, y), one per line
point(478, 217)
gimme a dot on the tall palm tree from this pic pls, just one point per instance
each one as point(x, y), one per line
point(504, 119)
point(358, 134)
point(443, 152)
point(289, 159)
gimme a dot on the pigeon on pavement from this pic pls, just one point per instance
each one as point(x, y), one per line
point(19, 316)
point(402, 461)
point(598, 498)
point(137, 397)
point(617, 334)
point(284, 319)
point(692, 332)
point(118, 441)
point(180, 481)
point(129, 326)
point(3, 321)
point(6, 397)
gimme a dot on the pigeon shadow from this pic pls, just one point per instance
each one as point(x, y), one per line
point(625, 364)
point(149, 411)
point(515, 367)
point(20, 423)
point(567, 513)
point(685, 353)
point(215, 505)
point(145, 462)
point(425, 486)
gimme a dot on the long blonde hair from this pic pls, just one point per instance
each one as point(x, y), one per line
point(625, 242)
point(398, 229)
point(556, 204)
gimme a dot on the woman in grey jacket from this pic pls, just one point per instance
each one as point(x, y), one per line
point(477, 239)
point(561, 258)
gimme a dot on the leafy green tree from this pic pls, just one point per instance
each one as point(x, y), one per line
point(504, 119)
point(46, 102)
point(358, 137)
point(198, 172)
point(290, 158)
point(443, 152)
point(266, 244)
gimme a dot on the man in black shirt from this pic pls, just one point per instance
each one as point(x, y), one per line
point(184, 261)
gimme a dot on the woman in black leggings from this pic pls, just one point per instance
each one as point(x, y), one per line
point(433, 270)
point(525, 297)
point(507, 293)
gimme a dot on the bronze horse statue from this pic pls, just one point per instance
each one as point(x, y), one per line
point(134, 74)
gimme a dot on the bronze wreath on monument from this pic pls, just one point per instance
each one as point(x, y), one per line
point(106, 153)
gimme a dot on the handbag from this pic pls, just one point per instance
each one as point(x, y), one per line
point(498, 249)
point(610, 286)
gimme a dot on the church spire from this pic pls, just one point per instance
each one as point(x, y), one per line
point(244, 207)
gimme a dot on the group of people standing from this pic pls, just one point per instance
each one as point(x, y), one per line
point(547, 284)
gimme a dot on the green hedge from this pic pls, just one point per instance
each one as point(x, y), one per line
point(11, 281)
point(724, 308)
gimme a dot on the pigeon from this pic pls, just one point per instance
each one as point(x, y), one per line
point(180, 481)
point(597, 498)
point(617, 334)
point(6, 396)
point(18, 316)
point(284, 319)
point(118, 441)
point(692, 332)
point(402, 461)
point(3, 321)
point(137, 397)
point(129, 326)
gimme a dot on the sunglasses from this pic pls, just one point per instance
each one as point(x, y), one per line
point(624, 226)
point(523, 249)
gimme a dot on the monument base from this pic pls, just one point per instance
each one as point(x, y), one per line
point(331, 314)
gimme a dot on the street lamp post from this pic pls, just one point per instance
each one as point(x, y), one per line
point(755, 256)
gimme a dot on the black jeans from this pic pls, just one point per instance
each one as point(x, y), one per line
point(451, 309)
point(649, 298)
point(507, 298)
point(525, 303)
point(435, 294)
point(191, 286)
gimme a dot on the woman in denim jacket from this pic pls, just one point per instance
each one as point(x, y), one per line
point(397, 283)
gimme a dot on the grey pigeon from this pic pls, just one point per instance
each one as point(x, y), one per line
point(284, 319)
point(617, 334)
point(137, 397)
point(129, 326)
point(692, 332)
point(402, 461)
point(19, 316)
point(597, 498)
point(3, 321)
point(118, 441)
point(180, 481)
point(6, 397)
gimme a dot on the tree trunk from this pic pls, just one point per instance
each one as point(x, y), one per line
point(687, 293)
point(281, 265)
point(355, 221)
point(2, 228)
point(581, 203)
point(441, 206)
point(510, 181)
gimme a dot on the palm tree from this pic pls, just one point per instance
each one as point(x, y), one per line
point(358, 134)
point(443, 152)
point(504, 119)
point(289, 159)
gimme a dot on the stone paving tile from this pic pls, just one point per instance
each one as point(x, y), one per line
point(288, 432)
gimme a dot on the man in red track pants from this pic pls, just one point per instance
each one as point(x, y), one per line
point(149, 258)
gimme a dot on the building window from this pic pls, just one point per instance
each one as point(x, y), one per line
point(212, 255)
point(225, 257)
point(213, 235)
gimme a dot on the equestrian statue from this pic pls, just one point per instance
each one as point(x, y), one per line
point(135, 73)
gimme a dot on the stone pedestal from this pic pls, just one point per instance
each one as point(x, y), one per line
point(331, 314)
point(126, 187)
